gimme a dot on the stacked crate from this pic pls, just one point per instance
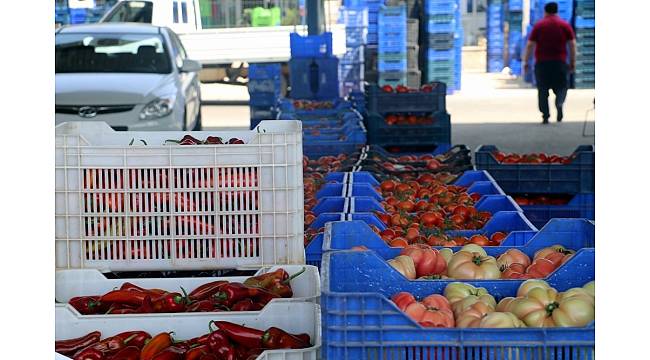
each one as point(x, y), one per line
point(351, 65)
point(514, 20)
point(443, 43)
point(313, 69)
point(495, 35)
point(264, 89)
point(392, 58)
point(458, 48)
point(585, 28)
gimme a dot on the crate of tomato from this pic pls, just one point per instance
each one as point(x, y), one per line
point(540, 208)
point(266, 335)
point(428, 99)
point(409, 129)
point(136, 201)
point(539, 173)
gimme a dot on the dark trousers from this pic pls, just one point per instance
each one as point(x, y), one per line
point(551, 75)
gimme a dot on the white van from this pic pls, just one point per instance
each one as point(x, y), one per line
point(218, 47)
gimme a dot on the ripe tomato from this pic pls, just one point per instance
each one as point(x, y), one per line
point(406, 205)
point(402, 89)
point(421, 205)
point(412, 234)
point(480, 240)
point(399, 242)
point(459, 241)
point(427, 88)
point(401, 188)
point(431, 219)
point(388, 234)
point(540, 268)
point(391, 119)
point(498, 237)
point(387, 88)
point(457, 220)
point(309, 218)
point(436, 240)
point(388, 185)
point(412, 120)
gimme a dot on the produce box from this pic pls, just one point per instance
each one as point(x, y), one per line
point(572, 178)
point(381, 102)
point(305, 318)
point(381, 133)
point(580, 206)
point(360, 321)
point(90, 282)
point(139, 207)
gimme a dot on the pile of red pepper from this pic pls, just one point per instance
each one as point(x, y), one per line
point(215, 296)
point(210, 140)
point(229, 342)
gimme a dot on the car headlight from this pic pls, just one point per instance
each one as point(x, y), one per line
point(157, 108)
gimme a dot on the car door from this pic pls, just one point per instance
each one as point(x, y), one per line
point(189, 82)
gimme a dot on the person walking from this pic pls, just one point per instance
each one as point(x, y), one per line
point(549, 38)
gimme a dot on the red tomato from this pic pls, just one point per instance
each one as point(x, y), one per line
point(399, 242)
point(402, 89)
point(403, 300)
point(498, 237)
point(388, 185)
point(540, 268)
point(387, 88)
point(480, 240)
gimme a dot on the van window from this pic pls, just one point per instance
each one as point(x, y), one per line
point(184, 12)
point(131, 11)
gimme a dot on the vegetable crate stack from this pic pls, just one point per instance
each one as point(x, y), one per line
point(495, 36)
point(162, 202)
point(585, 28)
point(546, 186)
point(351, 65)
point(443, 31)
point(392, 59)
point(313, 70)
point(515, 20)
point(264, 89)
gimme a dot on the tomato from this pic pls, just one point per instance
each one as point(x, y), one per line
point(502, 320)
point(528, 285)
point(437, 318)
point(403, 300)
point(402, 188)
point(399, 242)
point(412, 234)
point(473, 248)
point(412, 120)
point(383, 217)
point(436, 301)
point(390, 119)
point(498, 237)
point(407, 206)
point(540, 268)
point(309, 218)
point(513, 271)
point(469, 265)
point(471, 317)
point(436, 240)
point(402, 89)
point(433, 164)
point(426, 88)
point(404, 265)
point(387, 88)
point(590, 287)
point(462, 211)
point(469, 301)
point(506, 304)
point(457, 220)
point(388, 185)
point(427, 261)
point(499, 156)
point(556, 258)
point(513, 256)
point(421, 205)
point(480, 240)
point(398, 220)
point(458, 291)
point(544, 308)
point(551, 249)
point(484, 216)
point(458, 241)
point(431, 219)
point(387, 234)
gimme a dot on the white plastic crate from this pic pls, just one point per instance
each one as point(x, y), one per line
point(88, 282)
point(173, 207)
point(305, 318)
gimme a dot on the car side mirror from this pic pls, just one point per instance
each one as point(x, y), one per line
point(190, 66)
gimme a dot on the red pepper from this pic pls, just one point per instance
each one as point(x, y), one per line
point(107, 346)
point(170, 353)
point(169, 303)
point(122, 311)
point(134, 338)
point(275, 338)
point(209, 357)
point(157, 344)
point(206, 306)
point(197, 352)
point(71, 346)
point(89, 354)
point(213, 140)
point(234, 292)
point(241, 335)
point(129, 297)
point(277, 282)
point(248, 354)
point(304, 337)
point(133, 287)
point(86, 305)
point(128, 353)
point(205, 291)
point(200, 340)
point(247, 305)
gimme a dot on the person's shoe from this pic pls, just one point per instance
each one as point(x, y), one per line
point(560, 115)
point(544, 119)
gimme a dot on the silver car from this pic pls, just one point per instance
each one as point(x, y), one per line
point(131, 76)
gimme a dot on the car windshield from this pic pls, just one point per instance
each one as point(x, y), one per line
point(111, 53)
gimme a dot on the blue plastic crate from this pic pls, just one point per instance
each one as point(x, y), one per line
point(264, 71)
point(381, 102)
point(581, 22)
point(580, 206)
point(336, 204)
point(353, 55)
point(314, 78)
point(516, 5)
point(392, 78)
point(573, 178)
point(392, 65)
point(392, 15)
point(433, 7)
point(356, 36)
point(380, 133)
point(434, 27)
point(367, 218)
point(259, 99)
point(352, 177)
point(266, 85)
point(348, 190)
point(311, 46)
point(353, 16)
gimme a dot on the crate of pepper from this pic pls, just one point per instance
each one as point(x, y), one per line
point(89, 292)
point(266, 335)
point(137, 201)
point(539, 173)
point(429, 98)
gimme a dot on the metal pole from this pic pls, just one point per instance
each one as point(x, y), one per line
point(313, 17)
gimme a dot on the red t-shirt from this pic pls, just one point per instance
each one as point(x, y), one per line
point(551, 35)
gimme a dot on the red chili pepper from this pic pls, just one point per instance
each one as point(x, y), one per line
point(169, 303)
point(248, 354)
point(170, 353)
point(128, 353)
point(196, 353)
point(205, 291)
point(133, 287)
point(275, 338)
point(304, 337)
point(71, 346)
point(134, 338)
point(234, 292)
point(157, 344)
point(89, 354)
point(107, 346)
point(213, 140)
point(241, 335)
point(129, 297)
point(86, 305)
point(209, 357)
point(122, 311)
point(247, 305)
point(206, 306)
